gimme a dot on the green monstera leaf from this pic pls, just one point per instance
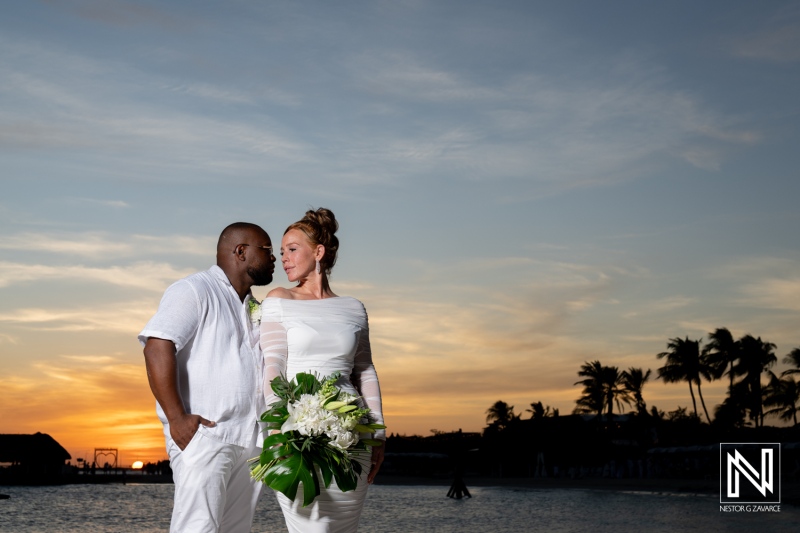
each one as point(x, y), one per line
point(285, 476)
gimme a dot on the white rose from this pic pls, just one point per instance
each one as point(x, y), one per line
point(344, 439)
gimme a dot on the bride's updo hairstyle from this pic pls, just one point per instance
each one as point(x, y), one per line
point(320, 227)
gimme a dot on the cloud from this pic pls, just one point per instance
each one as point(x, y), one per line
point(102, 245)
point(91, 244)
point(226, 94)
point(116, 317)
point(777, 40)
point(92, 359)
point(553, 131)
point(659, 306)
point(106, 203)
point(703, 157)
point(26, 134)
point(148, 276)
point(757, 266)
point(123, 14)
point(102, 119)
point(773, 293)
point(403, 77)
point(174, 244)
point(765, 282)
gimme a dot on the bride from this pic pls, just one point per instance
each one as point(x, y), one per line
point(310, 329)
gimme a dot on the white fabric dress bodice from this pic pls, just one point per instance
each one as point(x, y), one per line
point(322, 337)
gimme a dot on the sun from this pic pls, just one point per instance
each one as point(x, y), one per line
point(137, 465)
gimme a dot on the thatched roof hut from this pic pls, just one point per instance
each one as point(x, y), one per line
point(33, 458)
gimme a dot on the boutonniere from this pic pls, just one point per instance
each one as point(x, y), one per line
point(254, 309)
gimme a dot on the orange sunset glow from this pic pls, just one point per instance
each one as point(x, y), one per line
point(103, 401)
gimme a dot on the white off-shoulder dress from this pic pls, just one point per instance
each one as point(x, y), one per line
point(322, 336)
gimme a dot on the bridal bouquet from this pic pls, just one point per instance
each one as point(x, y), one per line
point(320, 427)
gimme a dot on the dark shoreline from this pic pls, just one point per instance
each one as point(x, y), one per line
point(790, 489)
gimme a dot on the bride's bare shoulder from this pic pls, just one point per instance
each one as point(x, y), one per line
point(280, 292)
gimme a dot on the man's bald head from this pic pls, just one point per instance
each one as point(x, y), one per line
point(237, 233)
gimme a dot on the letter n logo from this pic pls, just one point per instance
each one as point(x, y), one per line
point(750, 473)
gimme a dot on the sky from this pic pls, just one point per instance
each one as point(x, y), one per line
point(521, 187)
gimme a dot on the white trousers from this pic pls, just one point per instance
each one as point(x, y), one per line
point(213, 489)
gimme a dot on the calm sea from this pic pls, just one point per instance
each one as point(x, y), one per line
point(146, 508)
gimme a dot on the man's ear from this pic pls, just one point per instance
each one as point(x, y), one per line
point(240, 252)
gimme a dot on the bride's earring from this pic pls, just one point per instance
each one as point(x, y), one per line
point(317, 266)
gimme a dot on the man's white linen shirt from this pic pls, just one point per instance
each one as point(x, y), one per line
point(219, 362)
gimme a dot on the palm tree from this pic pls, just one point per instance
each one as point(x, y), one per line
point(721, 353)
point(784, 395)
point(756, 356)
point(602, 387)
point(593, 397)
point(538, 411)
point(500, 414)
point(684, 363)
point(792, 359)
point(633, 381)
point(591, 401)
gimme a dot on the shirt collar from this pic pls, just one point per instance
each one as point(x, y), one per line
point(218, 273)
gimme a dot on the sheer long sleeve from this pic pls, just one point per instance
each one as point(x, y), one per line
point(275, 348)
point(365, 379)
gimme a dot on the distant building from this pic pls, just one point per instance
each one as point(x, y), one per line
point(31, 459)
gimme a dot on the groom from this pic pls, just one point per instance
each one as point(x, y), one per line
point(204, 366)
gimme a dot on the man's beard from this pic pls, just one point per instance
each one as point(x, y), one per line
point(260, 276)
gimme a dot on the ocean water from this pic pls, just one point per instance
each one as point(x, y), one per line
point(146, 508)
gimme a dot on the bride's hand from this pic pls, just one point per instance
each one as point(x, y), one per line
point(377, 460)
